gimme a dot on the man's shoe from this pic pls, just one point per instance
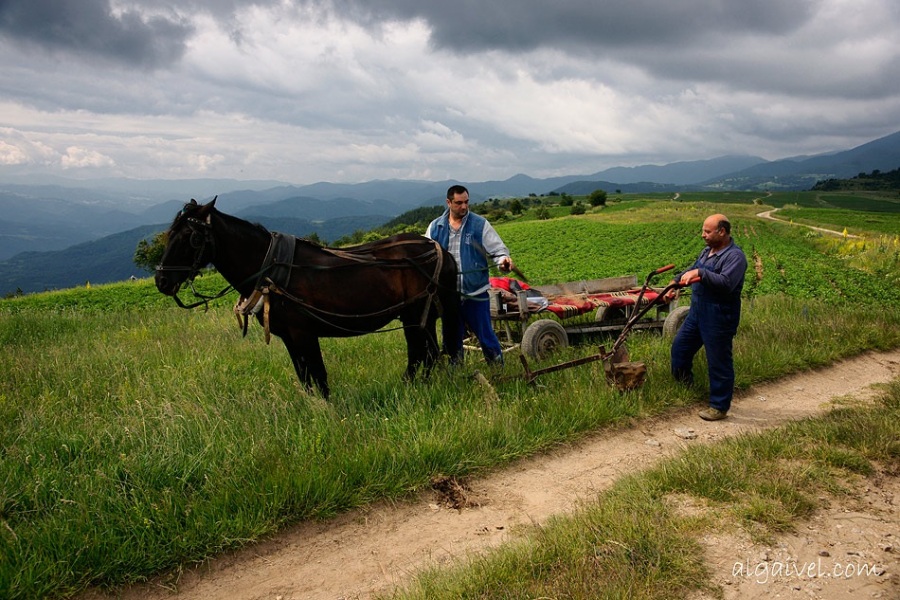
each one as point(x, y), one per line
point(712, 414)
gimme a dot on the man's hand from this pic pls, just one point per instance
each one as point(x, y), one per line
point(505, 264)
point(689, 276)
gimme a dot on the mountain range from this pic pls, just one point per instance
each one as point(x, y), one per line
point(57, 232)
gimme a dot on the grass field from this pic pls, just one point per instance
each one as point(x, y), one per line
point(136, 437)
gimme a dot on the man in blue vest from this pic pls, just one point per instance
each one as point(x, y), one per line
point(714, 315)
point(472, 241)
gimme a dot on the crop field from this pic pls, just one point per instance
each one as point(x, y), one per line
point(136, 437)
point(854, 221)
point(878, 202)
point(782, 260)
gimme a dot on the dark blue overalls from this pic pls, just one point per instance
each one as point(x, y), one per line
point(712, 322)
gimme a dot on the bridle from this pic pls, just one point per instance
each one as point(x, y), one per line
point(201, 239)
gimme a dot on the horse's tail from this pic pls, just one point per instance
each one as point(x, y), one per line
point(449, 297)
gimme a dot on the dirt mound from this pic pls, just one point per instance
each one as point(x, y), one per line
point(453, 493)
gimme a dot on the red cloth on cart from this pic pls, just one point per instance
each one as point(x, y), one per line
point(565, 307)
point(505, 283)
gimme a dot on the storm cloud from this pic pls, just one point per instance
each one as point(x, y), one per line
point(91, 28)
point(351, 90)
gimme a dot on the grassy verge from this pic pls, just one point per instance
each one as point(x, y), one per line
point(136, 437)
point(136, 441)
point(634, 543)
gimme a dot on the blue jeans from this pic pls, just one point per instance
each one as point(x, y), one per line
point(713, 326)
point(475, 313)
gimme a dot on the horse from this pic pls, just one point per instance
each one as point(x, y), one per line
point(300, 291)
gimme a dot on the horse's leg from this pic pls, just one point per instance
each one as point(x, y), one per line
point(422, 348)
point(415, 343)
point(432, 348)
point(300, 363)
point(450, 316)
point(306, 355)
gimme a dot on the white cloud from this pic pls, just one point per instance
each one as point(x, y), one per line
point(12, 155)
point(292, 91)
point(82, 158)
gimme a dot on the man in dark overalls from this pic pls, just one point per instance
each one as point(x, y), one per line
point(714, 315)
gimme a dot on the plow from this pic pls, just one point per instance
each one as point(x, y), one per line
point(621, 372)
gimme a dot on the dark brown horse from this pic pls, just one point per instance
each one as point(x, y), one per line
point(300, 291)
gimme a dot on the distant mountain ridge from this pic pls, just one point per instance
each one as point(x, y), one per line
point(680, 173)
point(41, 217)
point(882, 154)
point(111, 258)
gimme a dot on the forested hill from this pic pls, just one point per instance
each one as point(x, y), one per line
point(874, 181)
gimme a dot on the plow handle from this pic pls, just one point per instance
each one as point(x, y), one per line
point(664, 269)
point(653, 274)
point(637, 314)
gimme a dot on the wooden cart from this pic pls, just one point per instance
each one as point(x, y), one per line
point(541, 324)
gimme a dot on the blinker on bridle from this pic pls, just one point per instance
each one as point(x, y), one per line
point(201, 237)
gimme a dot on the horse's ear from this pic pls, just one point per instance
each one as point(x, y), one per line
point(187, 207)
point(212, 202)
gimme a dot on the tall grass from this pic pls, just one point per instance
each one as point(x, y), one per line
point(136, 437)
point(136, 441)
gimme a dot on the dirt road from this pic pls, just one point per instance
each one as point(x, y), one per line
point(374, 549)
point(767, 214)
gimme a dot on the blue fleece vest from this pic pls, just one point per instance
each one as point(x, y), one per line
point(474, 267)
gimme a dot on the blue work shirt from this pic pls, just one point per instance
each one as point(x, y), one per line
point(721, 275)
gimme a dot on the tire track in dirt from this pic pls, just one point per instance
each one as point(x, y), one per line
point(376, 548)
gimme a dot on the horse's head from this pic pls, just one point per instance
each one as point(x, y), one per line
point(189, 247)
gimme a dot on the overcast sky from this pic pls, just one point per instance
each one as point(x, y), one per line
point(355, 90)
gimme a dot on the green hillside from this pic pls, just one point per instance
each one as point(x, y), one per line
point(137, 437)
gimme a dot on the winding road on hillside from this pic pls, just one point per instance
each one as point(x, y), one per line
point(371, 550)
point(768, 214)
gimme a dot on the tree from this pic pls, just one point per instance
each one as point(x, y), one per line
point(149, 252)
point(597, 198)
point(516, 206)
point(315, 239)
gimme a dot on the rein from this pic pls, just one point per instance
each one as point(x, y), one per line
point(203, 242)
point(204, 300)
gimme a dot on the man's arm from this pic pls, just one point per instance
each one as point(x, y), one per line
point(730, 272)
point(495, 248)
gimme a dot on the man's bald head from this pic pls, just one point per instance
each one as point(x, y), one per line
point(716, 231)
point(718, 221)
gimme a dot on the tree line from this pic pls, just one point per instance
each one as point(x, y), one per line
point(877, 180)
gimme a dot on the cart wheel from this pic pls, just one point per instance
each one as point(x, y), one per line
point(675, 320)
point(543, 337)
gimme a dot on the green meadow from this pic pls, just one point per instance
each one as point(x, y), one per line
point(137, 437)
